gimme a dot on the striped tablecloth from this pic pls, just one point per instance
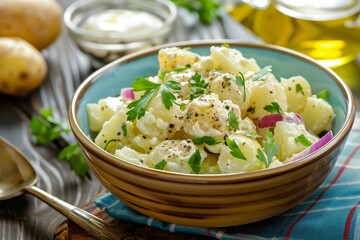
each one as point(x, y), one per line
point(331, 212)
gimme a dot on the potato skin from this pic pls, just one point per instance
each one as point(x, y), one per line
point(36, 21)
point(23, 68)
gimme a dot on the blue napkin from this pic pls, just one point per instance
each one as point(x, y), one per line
point(331, 212)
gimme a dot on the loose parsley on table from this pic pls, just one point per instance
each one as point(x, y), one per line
point(46, 129)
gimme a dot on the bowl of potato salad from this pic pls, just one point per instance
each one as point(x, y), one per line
point(212, 134)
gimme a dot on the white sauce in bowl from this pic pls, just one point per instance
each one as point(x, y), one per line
point(122, 21)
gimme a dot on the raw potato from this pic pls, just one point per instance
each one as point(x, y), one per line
point(23, 68)
point(36, 21)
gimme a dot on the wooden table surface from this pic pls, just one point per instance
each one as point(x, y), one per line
point(26, 217)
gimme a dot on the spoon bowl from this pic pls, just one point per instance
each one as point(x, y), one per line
point(17, 176)
point(16, 173)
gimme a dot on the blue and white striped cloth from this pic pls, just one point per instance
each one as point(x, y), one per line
point(331, 212)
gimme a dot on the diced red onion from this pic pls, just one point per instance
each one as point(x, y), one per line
point(127, 93)
point(269, 121)
point(314, 147)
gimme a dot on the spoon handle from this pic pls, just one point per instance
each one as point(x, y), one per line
point(92, 224)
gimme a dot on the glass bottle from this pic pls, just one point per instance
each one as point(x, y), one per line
point(327, 30)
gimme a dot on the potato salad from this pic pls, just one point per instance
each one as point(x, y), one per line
point(215, 114)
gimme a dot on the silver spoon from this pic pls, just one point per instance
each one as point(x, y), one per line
point(17, 176)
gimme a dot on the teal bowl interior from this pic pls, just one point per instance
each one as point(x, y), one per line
point(109, 80)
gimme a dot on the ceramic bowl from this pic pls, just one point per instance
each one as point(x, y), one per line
point(212, 200)
point(103, 47)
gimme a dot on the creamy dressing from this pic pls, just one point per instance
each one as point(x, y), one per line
point(122, 21)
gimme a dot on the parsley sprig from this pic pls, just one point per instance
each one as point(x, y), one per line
point(271, 148)
point(46, 129)
point(138, 108)
point(198, 86)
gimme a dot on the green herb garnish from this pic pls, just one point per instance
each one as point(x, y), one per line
point(195, 161)
point(108, 142)
point(273, 108)
point(138, 108)
point(240, 80)
point(46, 129)
point(206, 139)
point(161, 165)
point(163, 74)
point(262, 74)
point(225, 45)
point(323, 94)
point(271, 148)
point(299, 89)
point(234, 149)
point(198, 86)
point(234, 123)
point(75, 158)
point(251, 135)
point(302, 139)
point(124, 129)
point(207, 10)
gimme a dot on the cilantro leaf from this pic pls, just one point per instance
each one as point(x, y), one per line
point(198, 86)
point(234, 149)
point(273, 108)
point(161, 165)
point(195, 161)
point(302, 139)
point(75, 158)
point(262, 74)
point(206, 139)
point(271, 148)
point(234, 123)
point(240, 80)
point(323, 94)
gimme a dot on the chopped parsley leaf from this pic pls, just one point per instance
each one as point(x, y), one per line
point(234, 149)
point(302, 139)
point(161, 165)
point(273, 108)
point(195, 161)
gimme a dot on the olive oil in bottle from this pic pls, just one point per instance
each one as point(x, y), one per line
point(328, 31)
